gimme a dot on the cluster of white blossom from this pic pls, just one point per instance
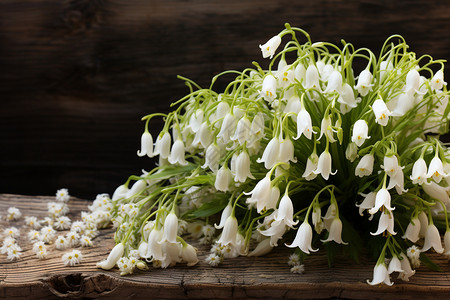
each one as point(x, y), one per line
point(279, 146)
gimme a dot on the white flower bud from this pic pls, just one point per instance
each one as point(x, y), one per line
point(115, 254)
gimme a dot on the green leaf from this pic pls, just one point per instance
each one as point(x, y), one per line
point(429, 263)
point(211, 207)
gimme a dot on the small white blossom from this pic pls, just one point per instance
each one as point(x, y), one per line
point(32, 222)
point(13, 214)
point(213, 260)
point(293, 260)
point(298, 269)
point(62, 195)
point(414, 255)
point(72, 258)
point(61, 243)
point(13, 252)
point(73, 238)
point(11, 232)
point(86, 241)
point(62, 223)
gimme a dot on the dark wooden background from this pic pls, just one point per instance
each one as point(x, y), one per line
point(77, 76)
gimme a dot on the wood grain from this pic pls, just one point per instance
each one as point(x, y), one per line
point(265, 277)
point(77, 75)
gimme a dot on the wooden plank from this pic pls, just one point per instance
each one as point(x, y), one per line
point(265, 277)
point(78, 75)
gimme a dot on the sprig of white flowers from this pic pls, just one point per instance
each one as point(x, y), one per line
point(279, 146)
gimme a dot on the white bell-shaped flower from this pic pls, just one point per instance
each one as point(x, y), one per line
point(146, 145)
point(364, 85)
point(275, 232)
point(136, 188)
point(212, 158)
point(385, 223)
point(162, 145)
point(327, 72)
point(436, 169)
point(432, 239)
point(221, 111)
point(360, 132)
point(300, 72)
point(263, 248)
point(285, 75)
point(419, 172)
point(177, 153)
point(268, 49)
point(311, 166)
point(269, 88)
point(120, 192)
point(347, 99)
point(368, 203)
point(242, 171)
point(405, 102)
point(334, 82)
point(351, 152)
point(312, 78)
point(325, 128)
point(423, 219)
point(365, 165)
point(324, 165)
point(413, 230)
point(316, 217)
point(223, 179)
point(437, 82)
point(229, 232)
point(224, 216)
point(243, 132)
point(330, 215)
point(303, 238)
point(447, 243)
point(286, 153)
point(286, 211)
point(270, 154)
point(395, 265)
point(391, 165)
point(381, 112)
point(196, 120)
point(189, 255)
point(406, 267)
point(335, 232)
point(154, 249)
point(412, 81)
point(115, 254)
point(271, 201)
point(170, 229)
point(261, 194)
point(228, 128)
point(383, 198)
point(304, 124)
point(436, 191)
point(293, 105)
point(203, 137)
point(397, 181)
point(380, 275)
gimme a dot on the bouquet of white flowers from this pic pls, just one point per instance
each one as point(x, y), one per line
point(279, 147)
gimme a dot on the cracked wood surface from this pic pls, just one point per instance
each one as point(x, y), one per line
point(265, 277)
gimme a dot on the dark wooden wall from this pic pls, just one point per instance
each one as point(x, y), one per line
point(77, 76)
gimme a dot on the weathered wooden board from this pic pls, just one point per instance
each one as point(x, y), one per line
point(77, 75)
point(265, 277)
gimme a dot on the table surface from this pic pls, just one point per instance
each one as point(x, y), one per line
point(264, 277)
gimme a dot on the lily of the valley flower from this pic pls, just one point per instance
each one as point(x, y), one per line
point(447, 243)
point(437, 82)
point(162, 145)
point(368, 202)
point(436, 169)
point(436, 191)
point(380, 275)
point(419, 172)
point(261, 195)
point(395, 265)
point(170, 228)
point(212, 158)
point(242, 133)
point(365, 165)
point(286, 153)
point(347, 99)
point(189, 255)
point(146, 145)
point(311, 166)
point(351, 152)
point(335, 232)
point(262, 248)
point(303, 238)
point(268, 49)
point(137, 187)
point(270, 154)
point(228, 127)
point(412, 81)
point(432, 239)
point(325, 128)
point(385, 223)
point(229, 232)
point(242, 171)
point(225, 214)
point(406, 267)
point(360, 132)
point(324, 165)
point(383, 198)
point(391, 165)
point(364, 85)
point(269, 88)
point(304, 124)
point(312, 78)
point(113, 257)
point(223, 179)
point(203, 136)
point(120, 192)
point(334, 82)
point(286, 211)
point(177, 154)
point(413, 230)
point(381, 112)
